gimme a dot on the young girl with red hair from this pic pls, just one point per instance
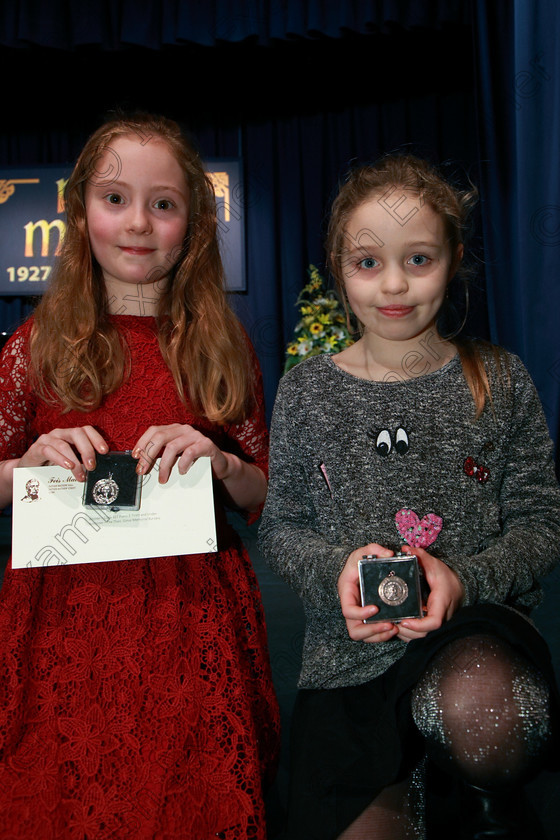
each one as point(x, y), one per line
point(137, 699)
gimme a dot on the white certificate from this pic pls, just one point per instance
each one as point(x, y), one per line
point(52, 526)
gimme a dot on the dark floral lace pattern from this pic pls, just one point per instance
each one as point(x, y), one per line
point(135, 697)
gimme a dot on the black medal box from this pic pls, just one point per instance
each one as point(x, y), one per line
point(393, 584)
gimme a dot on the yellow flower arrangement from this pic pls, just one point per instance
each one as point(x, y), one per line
point(322, 327)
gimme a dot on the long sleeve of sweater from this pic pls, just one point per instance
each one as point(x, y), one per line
point(333, 487)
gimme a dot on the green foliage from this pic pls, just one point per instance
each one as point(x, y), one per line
point(322, 328)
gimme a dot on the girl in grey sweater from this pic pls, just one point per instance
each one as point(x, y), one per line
point(410, 441)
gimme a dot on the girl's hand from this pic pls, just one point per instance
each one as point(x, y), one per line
point(176, 444)
point(244, 483)
point(445, 598)
point(350, 600)
point(73, 449)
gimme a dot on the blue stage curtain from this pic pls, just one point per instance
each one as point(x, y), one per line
point(294, 166)
point(327, 104)
point(70, 24)
point(518, 66)
point(297, 143)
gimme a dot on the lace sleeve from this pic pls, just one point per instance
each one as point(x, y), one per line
point(508, 570)
point(15, 396)
point(251, 436)
point(249, 439)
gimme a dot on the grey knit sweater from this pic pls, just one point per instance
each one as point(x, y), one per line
point(354, 461)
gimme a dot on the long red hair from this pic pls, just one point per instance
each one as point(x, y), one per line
point(77, 355)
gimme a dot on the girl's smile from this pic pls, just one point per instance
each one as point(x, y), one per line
point(396, 273)
point(137, 223)
point(129, 249)
point(395, 311)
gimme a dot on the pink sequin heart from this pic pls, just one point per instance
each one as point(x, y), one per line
point(418, 532)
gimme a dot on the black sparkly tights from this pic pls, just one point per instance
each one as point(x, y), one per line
point(484, 711)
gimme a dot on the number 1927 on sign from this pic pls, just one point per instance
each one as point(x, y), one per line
point(30, 273)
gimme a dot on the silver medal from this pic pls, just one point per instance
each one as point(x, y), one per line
point(105, 491)
point(393, 590)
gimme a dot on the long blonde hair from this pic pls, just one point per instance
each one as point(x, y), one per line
point(454, 206)
point(83, 358)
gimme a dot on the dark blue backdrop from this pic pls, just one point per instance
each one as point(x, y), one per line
point(518, 66)
point(341, 82)
point(472, 83)
point(301, 89)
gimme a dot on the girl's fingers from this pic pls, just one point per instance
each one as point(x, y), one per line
point(88, 442)
point(373, 633)
point(60, 455)
point(169, 458)
point(187, 459)
point(181, 452)
point(174, 444)
point(148, 447)
point(73, 449)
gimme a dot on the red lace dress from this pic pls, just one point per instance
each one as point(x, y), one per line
point(136, 698)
